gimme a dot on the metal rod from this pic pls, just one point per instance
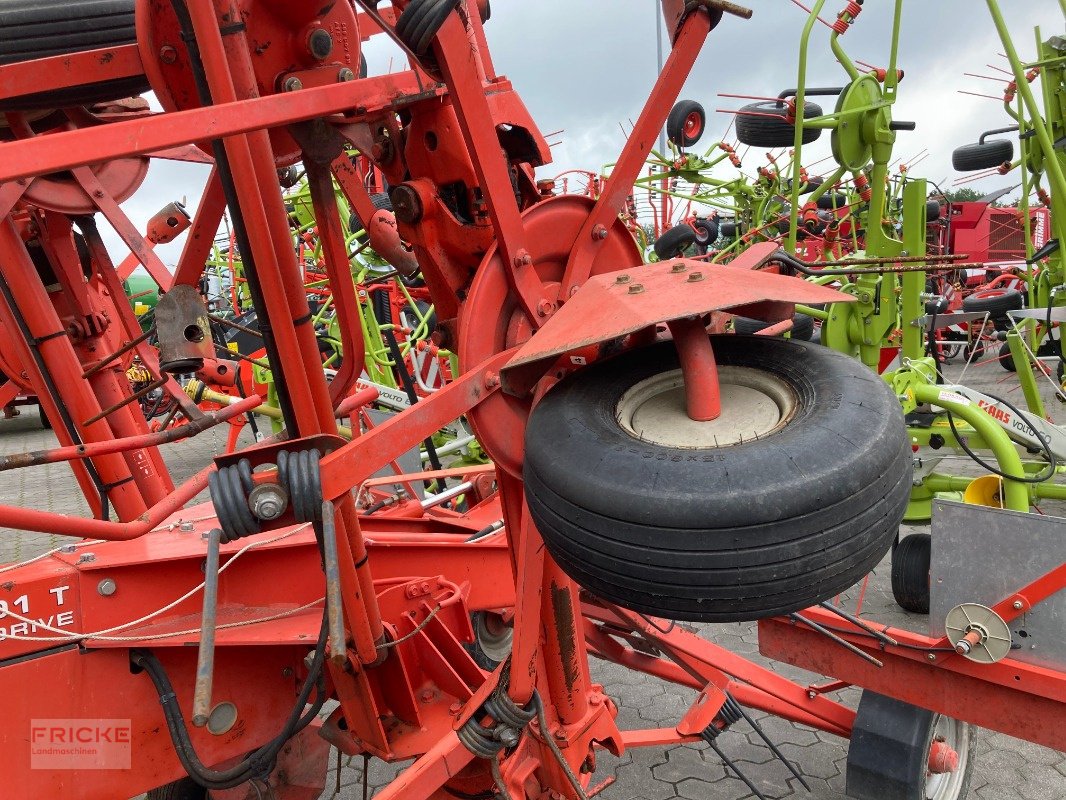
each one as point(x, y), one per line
point(334, 602)
point(444, 497)
point(879, 635)
point(842, 642)
point(158, 384)
point(729, 763)
point(118, 353)
point(773, 748)
point(205, 661)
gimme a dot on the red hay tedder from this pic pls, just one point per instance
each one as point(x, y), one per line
point(630, 453)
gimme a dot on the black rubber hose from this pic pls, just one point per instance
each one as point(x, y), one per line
point(229, 188)
point(1052, 461)
point(262, 760)
point(412, 395)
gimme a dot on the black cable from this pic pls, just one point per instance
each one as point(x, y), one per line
point(259, 763)
point(229, 188)
point(1052, 461)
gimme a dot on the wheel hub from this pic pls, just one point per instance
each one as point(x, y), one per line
point(755, 404)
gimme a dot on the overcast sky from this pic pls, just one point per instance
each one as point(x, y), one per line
point(587, 66)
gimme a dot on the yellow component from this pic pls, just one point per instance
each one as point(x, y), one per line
point(232, 347)
point(985, 491)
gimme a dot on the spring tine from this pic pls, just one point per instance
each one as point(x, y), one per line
point(334, 603)
point(205, 661)
point(828, 633)
point(879, 635)
point(773, 748)
point(729, 763)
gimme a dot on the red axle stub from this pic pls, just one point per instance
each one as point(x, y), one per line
point(942, 758)
point(703, 399)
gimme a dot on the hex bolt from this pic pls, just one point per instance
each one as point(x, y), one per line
point(678, 268)
point(67, 549)
point(636, 288)
point(293, 84)
point(508, 737)
point(268, 501)
point(544, 308)
point(599, 233)
point(695, 277)
point(106, 587)
point(1018, 605)
point(622, 279)
point(345, 75)
point(931, 656)
point(168, 54)
point(187, 527)
point(87, 558)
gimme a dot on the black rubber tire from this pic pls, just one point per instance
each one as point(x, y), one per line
point(674, 242)
point(910, 572)
point(1006, 359)
point(932, 210)
point(184, 789)
point(831, 201)
point(706, 232)
point(423, 308)
point(802, 326)
point(936, 306)
point(420, 21)
point(758, 130)
point(991, 154)
point(761, 528)
point(728, 230)
point(380, 200)
point(482, 651)
point(996, 305)
point(686, 123)
point(889, 751)
point(31, 29)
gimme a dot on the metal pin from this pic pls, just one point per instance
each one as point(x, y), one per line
point(881, 636)
point(845, 644)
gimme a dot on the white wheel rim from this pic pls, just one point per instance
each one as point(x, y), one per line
point(956, 735)
point(755, 404)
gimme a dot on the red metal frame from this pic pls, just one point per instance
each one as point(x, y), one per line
point(503, 264)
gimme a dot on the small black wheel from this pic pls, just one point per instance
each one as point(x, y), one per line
point(686, 123)
point(932, 210)
point(832, 200)
point(699, 520)
point(184, 789)
point(380, 201)
point(765, 124)
point(902, 752)
point(802, 326)
point(492, 639)
point(706, 232)
point(288, 177)
point(410, 320)
point(1006, 359)
point(674, 242)
point(997, 302)
point(729, 230)
point(910, 572)
point(986, 155)
point(31, 29)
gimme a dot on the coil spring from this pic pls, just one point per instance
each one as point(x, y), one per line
point(229, 492)
point(421, 21)
point(729, 713)
point(301, 475)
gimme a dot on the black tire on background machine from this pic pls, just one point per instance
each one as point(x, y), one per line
point(31, 29)
point(910, 572)
point(721, 534)
point(765, 124)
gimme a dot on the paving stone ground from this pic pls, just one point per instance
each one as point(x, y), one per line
point(1005, 769)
